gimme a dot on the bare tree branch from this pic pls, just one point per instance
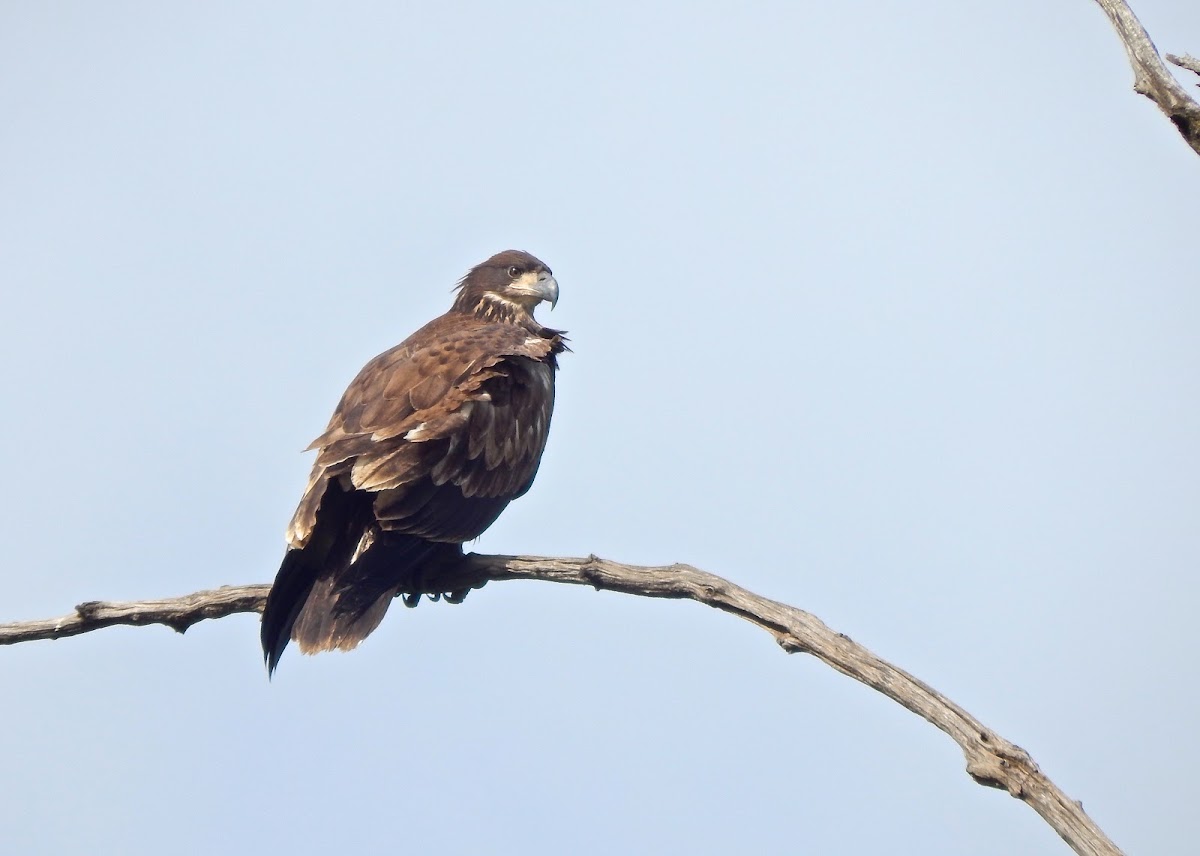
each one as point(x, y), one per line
point(1151, 77)
point(991, 760)
point(178, 613)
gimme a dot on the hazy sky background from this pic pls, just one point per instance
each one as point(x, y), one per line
point(888, 311)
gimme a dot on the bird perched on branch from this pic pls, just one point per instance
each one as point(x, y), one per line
point(427, 446)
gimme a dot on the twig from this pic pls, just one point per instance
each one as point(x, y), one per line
point(991, 760)
point(1151, 76)
point(1187, 61)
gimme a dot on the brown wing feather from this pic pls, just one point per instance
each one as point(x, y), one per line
point(462, 404)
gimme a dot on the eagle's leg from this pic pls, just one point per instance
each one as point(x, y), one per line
point(426, 576)
point(417, 581)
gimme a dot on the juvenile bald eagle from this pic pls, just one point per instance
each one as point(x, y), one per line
point(427, 446)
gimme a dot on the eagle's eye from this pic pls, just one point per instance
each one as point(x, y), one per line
point(514, 271)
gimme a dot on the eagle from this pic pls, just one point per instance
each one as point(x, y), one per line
point(427, 446)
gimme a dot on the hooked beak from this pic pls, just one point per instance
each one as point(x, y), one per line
point(547, 289)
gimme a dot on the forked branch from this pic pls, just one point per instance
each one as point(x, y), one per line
point(991, 760)
point(1151, 77)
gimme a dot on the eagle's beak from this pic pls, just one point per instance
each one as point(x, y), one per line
point(547, 289)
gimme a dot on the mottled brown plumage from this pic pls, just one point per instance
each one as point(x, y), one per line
point(429, 443)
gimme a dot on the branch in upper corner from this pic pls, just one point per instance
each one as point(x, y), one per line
point(1151, 76)
point(1187, 61)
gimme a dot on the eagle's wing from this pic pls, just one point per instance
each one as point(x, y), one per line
point(444, 429)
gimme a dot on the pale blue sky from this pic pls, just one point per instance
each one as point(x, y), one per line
point(887, 311)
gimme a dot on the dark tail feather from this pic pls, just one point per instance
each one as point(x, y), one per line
point(293, 584)
point(339, 526)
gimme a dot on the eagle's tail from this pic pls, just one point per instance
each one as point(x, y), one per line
point(346, 604)
point(330, 594)
point(326, 623)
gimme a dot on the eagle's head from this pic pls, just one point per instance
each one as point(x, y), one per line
point(507, 286)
